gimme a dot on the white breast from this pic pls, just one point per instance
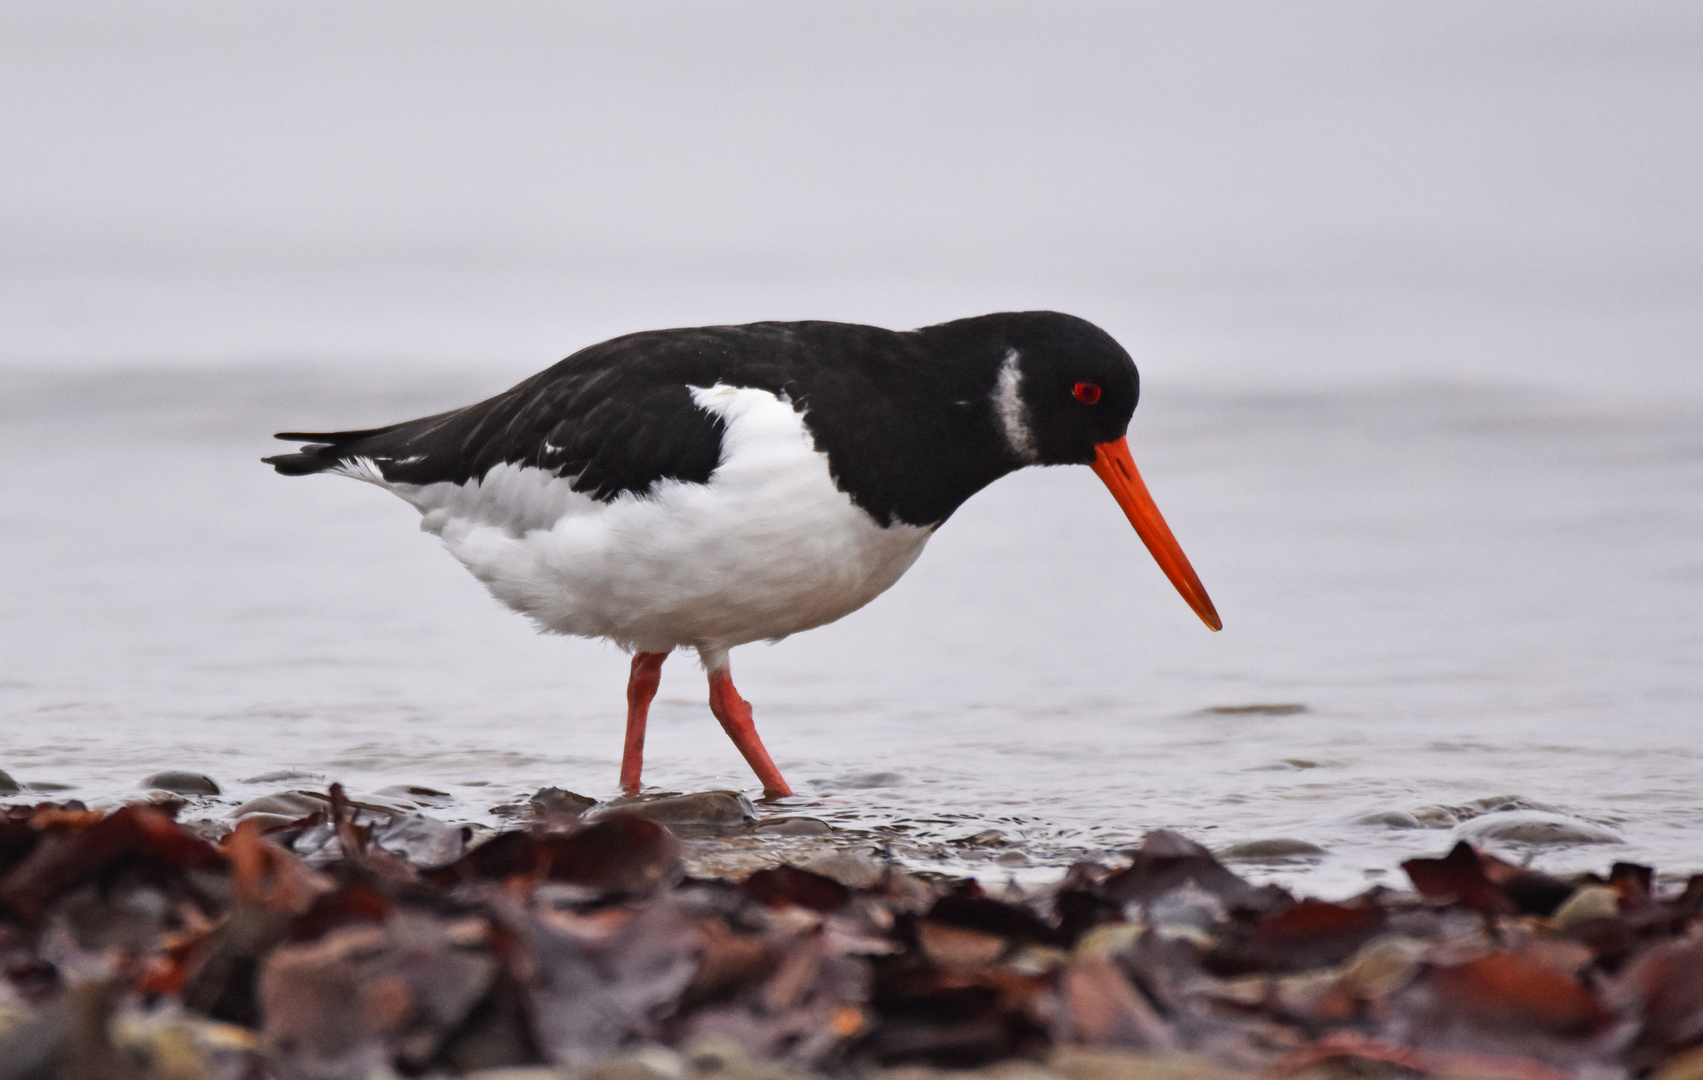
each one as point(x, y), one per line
point(768, 547)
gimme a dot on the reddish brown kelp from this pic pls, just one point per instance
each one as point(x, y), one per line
point(132, 948)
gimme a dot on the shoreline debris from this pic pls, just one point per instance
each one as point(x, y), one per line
point(339, 946)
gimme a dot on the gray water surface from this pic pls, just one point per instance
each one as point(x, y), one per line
point(1486, 600)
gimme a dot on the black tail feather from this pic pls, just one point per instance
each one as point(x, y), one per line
point(306, 462)
point(325, 451)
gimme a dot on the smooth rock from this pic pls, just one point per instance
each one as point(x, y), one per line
point(560, 802)
point(795, 826)
point(698, 808)
point(288, 804)
point(416, 794)
point(1390, 819)
point(853, 868)
point(1535, 827)
point(1587, 902)
point(1284, 709)
point(1275, 850)
point(1436, 817)
point(8, 786)
point(282, 775)
point(181, 782)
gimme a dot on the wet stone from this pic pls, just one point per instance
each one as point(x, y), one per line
point(853, 868)
point(8, 786)
point(1536, 827)
point(559, 802)
point(1276, 850)
point(416, 794)
point(181, 782)
point(1587, 903)
point(1436, 817)
point(1283, 709)
point(795, 826)
point(281, 775)
point(699, 808)
point(289, 805)
point(1390, 819)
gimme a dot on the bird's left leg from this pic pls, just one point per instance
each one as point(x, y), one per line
point(734, 713)
point(641, 688)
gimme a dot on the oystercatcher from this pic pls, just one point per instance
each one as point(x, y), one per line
point(713, 486)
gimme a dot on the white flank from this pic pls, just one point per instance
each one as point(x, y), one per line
point(1012, 414)
point(768, 547)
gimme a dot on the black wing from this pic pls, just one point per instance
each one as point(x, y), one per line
point(616, 417)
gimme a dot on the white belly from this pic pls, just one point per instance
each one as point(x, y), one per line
point(768, 547)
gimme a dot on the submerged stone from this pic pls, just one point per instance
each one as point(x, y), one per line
point(1536, 827)
point(698, 808)
point(1277, 849)
point(290, 805)
point(1390, 819)
point(555, 800)
point(182, 782)
point(795, 826)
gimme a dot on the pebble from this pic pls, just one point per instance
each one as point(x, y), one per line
point(1587, 902)
point(1536, 827)
point(559, 801)
point(288, 804)
point(1390, 819)
point(1285, 709)
point(182, 782)
point(699, 808)
point(416, 794)
point(854, 868)
point(795, 826)
point(1436, 817)
point(1276, 850)
point(282, 775)
point(8, 786)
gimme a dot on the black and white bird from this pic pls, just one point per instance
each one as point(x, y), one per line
point(714, 486)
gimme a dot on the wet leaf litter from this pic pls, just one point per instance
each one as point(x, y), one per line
point(325, 937)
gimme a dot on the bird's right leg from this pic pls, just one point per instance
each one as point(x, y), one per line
point(641, 688)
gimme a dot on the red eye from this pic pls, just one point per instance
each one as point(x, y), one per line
point(1087, 393)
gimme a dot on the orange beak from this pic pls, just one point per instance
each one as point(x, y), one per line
point(1114, 466)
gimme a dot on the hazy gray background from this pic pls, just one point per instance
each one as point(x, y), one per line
point(1415, 290)
point(1283, 193)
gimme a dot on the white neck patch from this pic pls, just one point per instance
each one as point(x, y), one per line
point(1010, 411)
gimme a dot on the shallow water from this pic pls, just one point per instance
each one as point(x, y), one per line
point(1487, 602)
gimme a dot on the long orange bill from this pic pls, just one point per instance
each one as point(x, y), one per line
point(1114, 466)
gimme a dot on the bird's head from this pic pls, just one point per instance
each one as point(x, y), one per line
point(1063, 394)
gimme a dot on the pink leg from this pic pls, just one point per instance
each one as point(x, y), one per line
point(641, 687)
point(735, 715)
